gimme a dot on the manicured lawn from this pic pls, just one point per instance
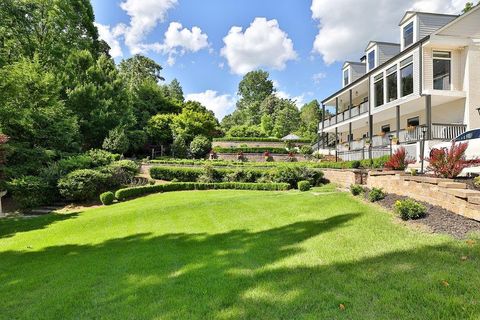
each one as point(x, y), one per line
point(231, 255)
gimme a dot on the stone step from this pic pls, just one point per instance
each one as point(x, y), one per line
point(474, 199)
point(462, 193)
point(431, 180)
point(453, 185)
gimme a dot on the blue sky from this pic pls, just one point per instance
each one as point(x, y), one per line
point(302, 43)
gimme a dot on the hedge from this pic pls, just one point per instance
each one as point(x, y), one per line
point(186, 174)
point(128, 193)
point(251, 150)
point(256, 139)
point(375, 163)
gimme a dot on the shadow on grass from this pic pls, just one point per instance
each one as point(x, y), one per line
point(239, 274)
point(11, 226)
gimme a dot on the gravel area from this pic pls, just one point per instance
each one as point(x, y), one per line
point(438, 220)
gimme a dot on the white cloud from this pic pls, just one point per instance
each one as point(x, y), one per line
point(221, 105)
point(345, 28)
point(144, 17)
point(263, 44)
point(317, 77)
point(179, 40)
point(299, 100)
point(110, 36)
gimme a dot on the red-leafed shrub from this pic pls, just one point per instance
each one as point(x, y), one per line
point(449, 163)
point(398, 160)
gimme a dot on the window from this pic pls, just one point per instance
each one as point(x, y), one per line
point(406, 74)
point(378, 87)
point(442, 78)
point(392, 84)
point(386, 128)
point(408, 35)
point(371, 60)
point(413, 122)
point(345, 77)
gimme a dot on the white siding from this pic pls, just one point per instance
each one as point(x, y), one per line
point(458, 68)
point(386, 52)
point(427, 69)
point(428, 23)
point(357, 71)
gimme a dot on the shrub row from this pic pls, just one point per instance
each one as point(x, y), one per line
point(375, 163)
point(281, 174)
point(251, 150)
point(128, 193)
point(255, 139)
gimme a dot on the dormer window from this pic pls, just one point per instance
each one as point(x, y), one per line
point(346, 79)
point(408, 35)
point(371, 60)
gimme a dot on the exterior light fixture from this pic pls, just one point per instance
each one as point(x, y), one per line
point(422, 154)
point(390, 138)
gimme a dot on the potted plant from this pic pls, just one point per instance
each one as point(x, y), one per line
point(213, 155)
point(268, 157)
point(240, 156)
point(410, 129)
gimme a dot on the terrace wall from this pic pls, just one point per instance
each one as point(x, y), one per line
point(256, 157)
point(345, 178)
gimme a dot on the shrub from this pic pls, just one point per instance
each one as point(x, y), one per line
point(200, 146)
point(245, 131)
point(179, 147)
point(410, 209)
point(476, 182)
point(127, 165)
point(128, 193)
point(293, 174)
point(355, 164)
point(304, 185)
point(107, 198)
point(82, 161)
point(376, 194)
point(179, 173)
point(449, 163)
point(30, 191)
point(100, 158)
point(83, 184)
point(116, 141)
point(356, 189)
point(398, 160)
point(209, 175)
point(306, 150)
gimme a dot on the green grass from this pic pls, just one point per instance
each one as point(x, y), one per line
point(234, 255)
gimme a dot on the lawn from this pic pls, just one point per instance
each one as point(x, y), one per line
point(232, 255)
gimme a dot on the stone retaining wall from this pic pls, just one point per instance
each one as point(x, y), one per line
point(345, 178)
point(253, 144)
point(439, 192)
point(257, 157)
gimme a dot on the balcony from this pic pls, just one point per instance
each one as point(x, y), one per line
point(347, 114)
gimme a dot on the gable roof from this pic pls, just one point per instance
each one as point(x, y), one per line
point(382, 43)
point(411, 13)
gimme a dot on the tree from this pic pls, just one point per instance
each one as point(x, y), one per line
point(138, 68)
point(254, 87)
point(159, 129)
point(49, 29)
point(469, 6)
point(287, 119)
point(31, 111)
point(245, 131)
point(195, 120)
point(200, 147)
point(98, 96)
point(267, 124)
point(175, 91)
point(116, 141)
point(310, 116)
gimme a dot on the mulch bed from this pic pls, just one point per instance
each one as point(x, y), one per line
point(438, 219)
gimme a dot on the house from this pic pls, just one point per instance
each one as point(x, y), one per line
point(427, 85)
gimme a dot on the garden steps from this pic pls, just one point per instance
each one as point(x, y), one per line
point(452, 185)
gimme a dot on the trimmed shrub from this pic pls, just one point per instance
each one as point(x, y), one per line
point(178, 173)
point(255, 139)
point(355, 164)
point(82, 185)
point(306, 150)
point(107, 198)
point(30, 191)
point(128, 193)
point(251, 150)
point(410, 209)
point(101, 158)
point(304, 185)
point(200, 146)
point(185, 174)
point(128, 165)
point(376, 194)
point(356, 189)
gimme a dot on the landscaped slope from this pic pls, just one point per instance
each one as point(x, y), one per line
point(234, 254)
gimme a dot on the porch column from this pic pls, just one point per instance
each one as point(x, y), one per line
point(350, 105)
point(428, 116)
point(350, 135)
point(370, 135)
point(398, 122)
point(336, 108)
point(336, 144)
point(323, 127)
